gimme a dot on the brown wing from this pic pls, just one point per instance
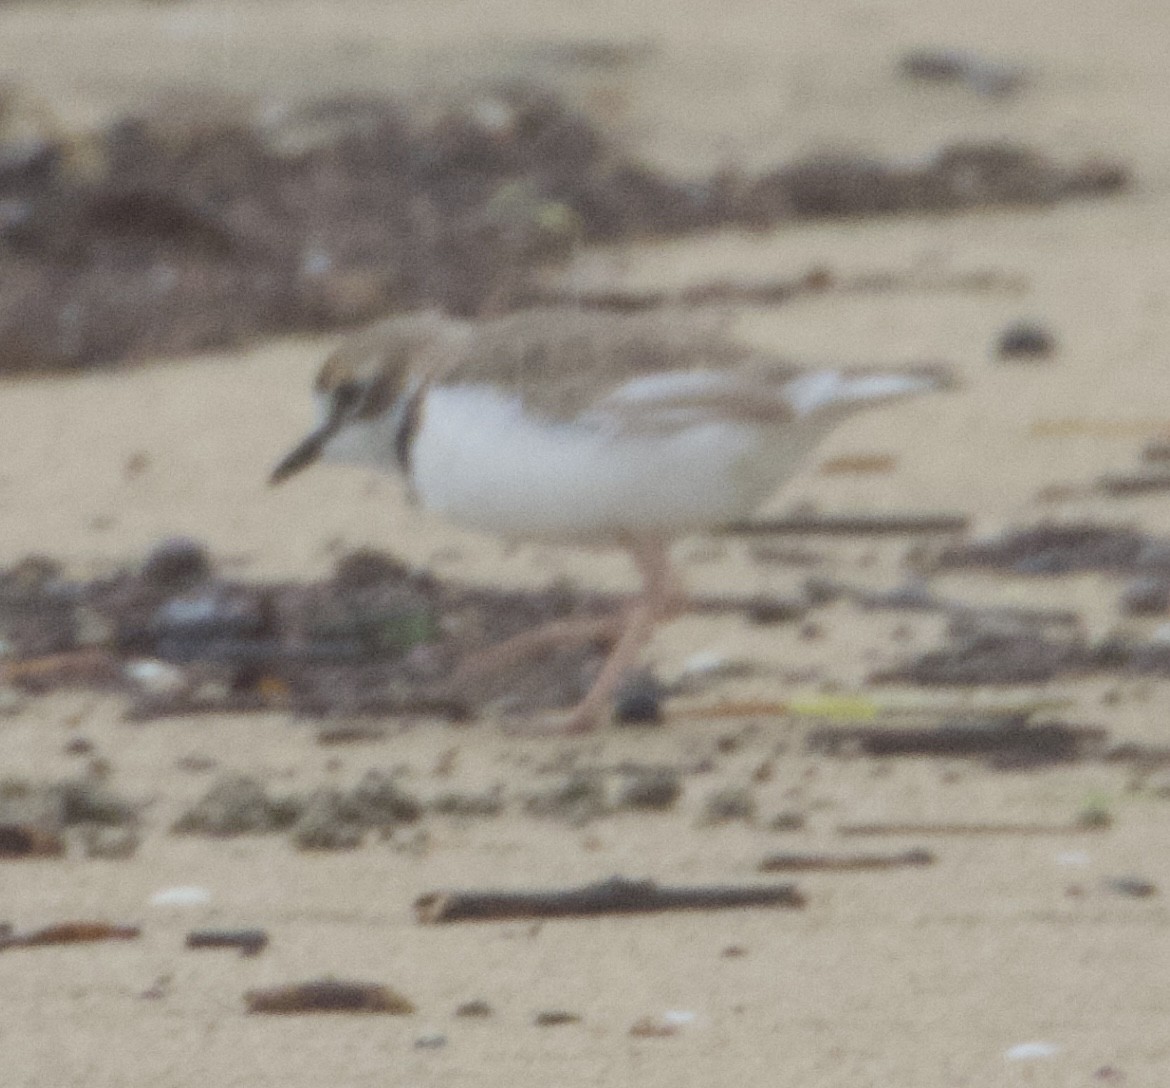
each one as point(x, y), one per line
point(564, 362)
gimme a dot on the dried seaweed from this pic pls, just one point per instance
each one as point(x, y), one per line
point(195, 228)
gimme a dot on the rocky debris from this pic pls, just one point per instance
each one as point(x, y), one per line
point(328, 818)
point(728, 804)
point(963, 68)
point(237, 805)
point(37, 819)
point(200, 225)
point(1051, 548)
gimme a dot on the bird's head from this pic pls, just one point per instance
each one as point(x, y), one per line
point(364, 389)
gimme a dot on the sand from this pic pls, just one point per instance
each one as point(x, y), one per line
point(923, 977)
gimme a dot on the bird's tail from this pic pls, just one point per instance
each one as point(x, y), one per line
point(839, 392)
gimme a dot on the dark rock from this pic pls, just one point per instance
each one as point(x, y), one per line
point(991, 79)
point(474, 1009)
point(655, 789)
point(1133, 887)
point(176, 563)
point(366, 567)
point(1025, 341)
point(639, 701)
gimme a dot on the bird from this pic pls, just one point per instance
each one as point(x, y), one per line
point(573, 426)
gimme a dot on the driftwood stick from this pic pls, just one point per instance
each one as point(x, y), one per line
point(843, 863)
point(1137, 483)
point(250, 942)
point(852, 525)
point(328, 995)
point(1073, 828)
point(614, 896)
point(995, 736)
point(69, 933)
point(771, 292)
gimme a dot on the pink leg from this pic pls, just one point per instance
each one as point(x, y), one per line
point(528, 644)
point(660, 598)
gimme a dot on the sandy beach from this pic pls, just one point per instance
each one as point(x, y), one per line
point(1014, 959)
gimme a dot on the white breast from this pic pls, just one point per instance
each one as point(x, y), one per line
point(480, 460)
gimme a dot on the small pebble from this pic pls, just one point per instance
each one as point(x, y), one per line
point(178, 561)
point(990, 79)
point(189, 895)
point(661, 1027)
point(196, 763)
point(728, 744)
point(727, 805)
point(1145, 596)
point(709, 665)
point(155, 677)
point(555, 1018)
point(1132, 887)
point(1022, 1052)
point(639, 701)
point(1025, 341)
point(768, 611)
point(477, 1009)
point(652, 789)
point(787, 821)
point(136, 464)
point(110, 843)
point(434, 1041)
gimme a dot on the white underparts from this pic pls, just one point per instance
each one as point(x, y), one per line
point(480, 460)
point(674, 467)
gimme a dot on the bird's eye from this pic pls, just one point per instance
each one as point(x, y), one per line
point(346, 397)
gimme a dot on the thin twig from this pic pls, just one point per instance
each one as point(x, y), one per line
point(847, 863)
point(926, 828)
point(614, 896)
point(852, 525)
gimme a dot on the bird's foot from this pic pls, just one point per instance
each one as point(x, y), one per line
point(578, 722)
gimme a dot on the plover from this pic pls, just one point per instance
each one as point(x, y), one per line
point(585, 428)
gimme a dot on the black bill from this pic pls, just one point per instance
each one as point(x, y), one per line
point(303, 455)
